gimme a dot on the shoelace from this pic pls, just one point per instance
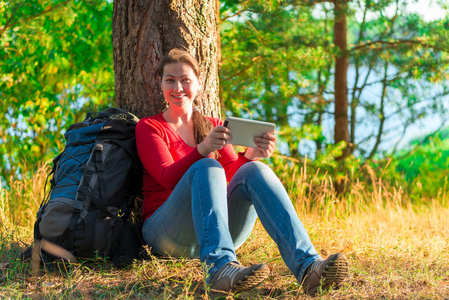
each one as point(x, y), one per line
point(230, 271)
point(314, 267)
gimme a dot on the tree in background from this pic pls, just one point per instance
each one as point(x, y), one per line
point(341, 133)
point(284, 71)
point(55, 63)
point(143, 32)
point(405, 59)
point(278, 63)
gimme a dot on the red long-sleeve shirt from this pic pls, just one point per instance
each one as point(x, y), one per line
point(166, 157)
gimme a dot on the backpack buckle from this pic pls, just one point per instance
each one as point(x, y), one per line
point(78, 206)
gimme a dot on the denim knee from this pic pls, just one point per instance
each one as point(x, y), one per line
point(254, 167)
point(210, 168)
point(257, 165)
point(207, 163)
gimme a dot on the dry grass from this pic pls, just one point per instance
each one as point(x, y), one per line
point(396, 250)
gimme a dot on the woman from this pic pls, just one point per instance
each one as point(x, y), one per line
point(190, 209)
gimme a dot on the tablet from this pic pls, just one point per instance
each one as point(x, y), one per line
point(243, 131)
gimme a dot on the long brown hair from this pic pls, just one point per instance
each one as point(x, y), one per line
point(201, 126)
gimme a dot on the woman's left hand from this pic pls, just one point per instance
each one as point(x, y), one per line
point(265, 147)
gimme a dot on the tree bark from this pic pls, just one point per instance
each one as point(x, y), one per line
point(341, 132)
point(341, 69)
point(144, 31)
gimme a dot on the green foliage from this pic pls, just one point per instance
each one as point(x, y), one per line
point(400, 72)
point(283, 68)
point(278, 64)
point(425, 169)
point(266, 74)
point(56, 61)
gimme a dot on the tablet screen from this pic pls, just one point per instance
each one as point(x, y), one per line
point(243, 131)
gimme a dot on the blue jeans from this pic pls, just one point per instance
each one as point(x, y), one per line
point(206, 218)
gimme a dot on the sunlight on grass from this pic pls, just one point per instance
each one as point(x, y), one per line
point(24, 197)
point(396, 249)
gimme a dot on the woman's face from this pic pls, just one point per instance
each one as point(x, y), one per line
point(179, 84)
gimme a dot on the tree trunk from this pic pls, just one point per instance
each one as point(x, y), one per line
point(341, 131)
point(341, 69)
point(144, 31)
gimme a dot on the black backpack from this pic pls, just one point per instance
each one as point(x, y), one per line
point(95, 182)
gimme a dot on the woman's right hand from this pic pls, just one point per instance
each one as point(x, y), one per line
point(216, 140)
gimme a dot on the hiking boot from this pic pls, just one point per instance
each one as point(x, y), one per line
point(234, 277)
point(325, 273)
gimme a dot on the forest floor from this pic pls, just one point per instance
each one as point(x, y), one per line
point(394, 253)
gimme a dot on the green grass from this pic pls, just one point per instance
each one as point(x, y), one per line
point(396, 250)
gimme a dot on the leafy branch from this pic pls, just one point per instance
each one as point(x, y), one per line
point(10, 22)
point(395, 43)
point(249, 66)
